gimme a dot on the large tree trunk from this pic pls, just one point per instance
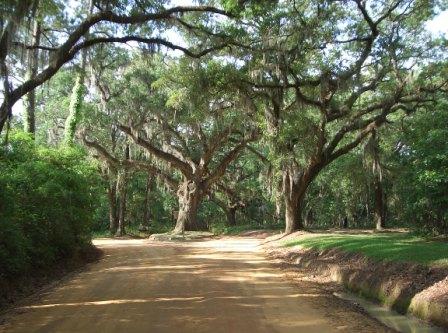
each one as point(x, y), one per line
point(75, 107)
point(189, 196)
point(30, 105)
point(293, 213)
point(113, 212)
point(77, 97)
point(295, 184)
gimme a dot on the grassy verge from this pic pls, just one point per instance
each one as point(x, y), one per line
point(390, 246)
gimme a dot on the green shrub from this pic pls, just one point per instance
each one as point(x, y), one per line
point(47, 202)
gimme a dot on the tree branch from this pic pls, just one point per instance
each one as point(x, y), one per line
point(67, 51)
point(182, 166)
point(133, 164)
point(228, 158)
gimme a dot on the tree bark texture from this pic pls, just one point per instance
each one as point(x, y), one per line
point(296, 181)
point(189, 196)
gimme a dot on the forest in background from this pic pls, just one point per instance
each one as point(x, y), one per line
point(257, 114)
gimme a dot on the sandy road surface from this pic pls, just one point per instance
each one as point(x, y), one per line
point(218, 285)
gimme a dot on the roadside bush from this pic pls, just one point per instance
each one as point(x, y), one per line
point(422, 183)
point(47, 201)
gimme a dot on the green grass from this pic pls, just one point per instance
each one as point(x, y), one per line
point(391, 246)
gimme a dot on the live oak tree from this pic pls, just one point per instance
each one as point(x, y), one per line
point(318, 77)
point(327, 74)
point(261, 106)
point(187, 118)
point(201, 128)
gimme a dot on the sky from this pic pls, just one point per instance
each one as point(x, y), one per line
point(438, 26)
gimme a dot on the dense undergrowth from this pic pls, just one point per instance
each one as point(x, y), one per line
point(47, 205)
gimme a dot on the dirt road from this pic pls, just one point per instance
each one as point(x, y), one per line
point(218, 285)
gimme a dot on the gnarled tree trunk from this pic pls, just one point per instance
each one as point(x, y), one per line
point(189, 195)
point(293, 198)
point(293, 212)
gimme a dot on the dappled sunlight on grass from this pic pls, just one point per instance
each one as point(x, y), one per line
point(391, 246)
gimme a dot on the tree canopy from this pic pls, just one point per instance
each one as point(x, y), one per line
point(286, 113)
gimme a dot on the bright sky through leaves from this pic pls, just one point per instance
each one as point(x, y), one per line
point(437, 26)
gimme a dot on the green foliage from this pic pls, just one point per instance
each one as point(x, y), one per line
point(390, 246)
point(74, 110)
point(414, 160)
point(47, 202)
point(342, 191)
point(56, 102)
point(284, 41)
point(248, 8)
point(421, 159)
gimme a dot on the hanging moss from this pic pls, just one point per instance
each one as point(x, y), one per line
point(74, 115)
